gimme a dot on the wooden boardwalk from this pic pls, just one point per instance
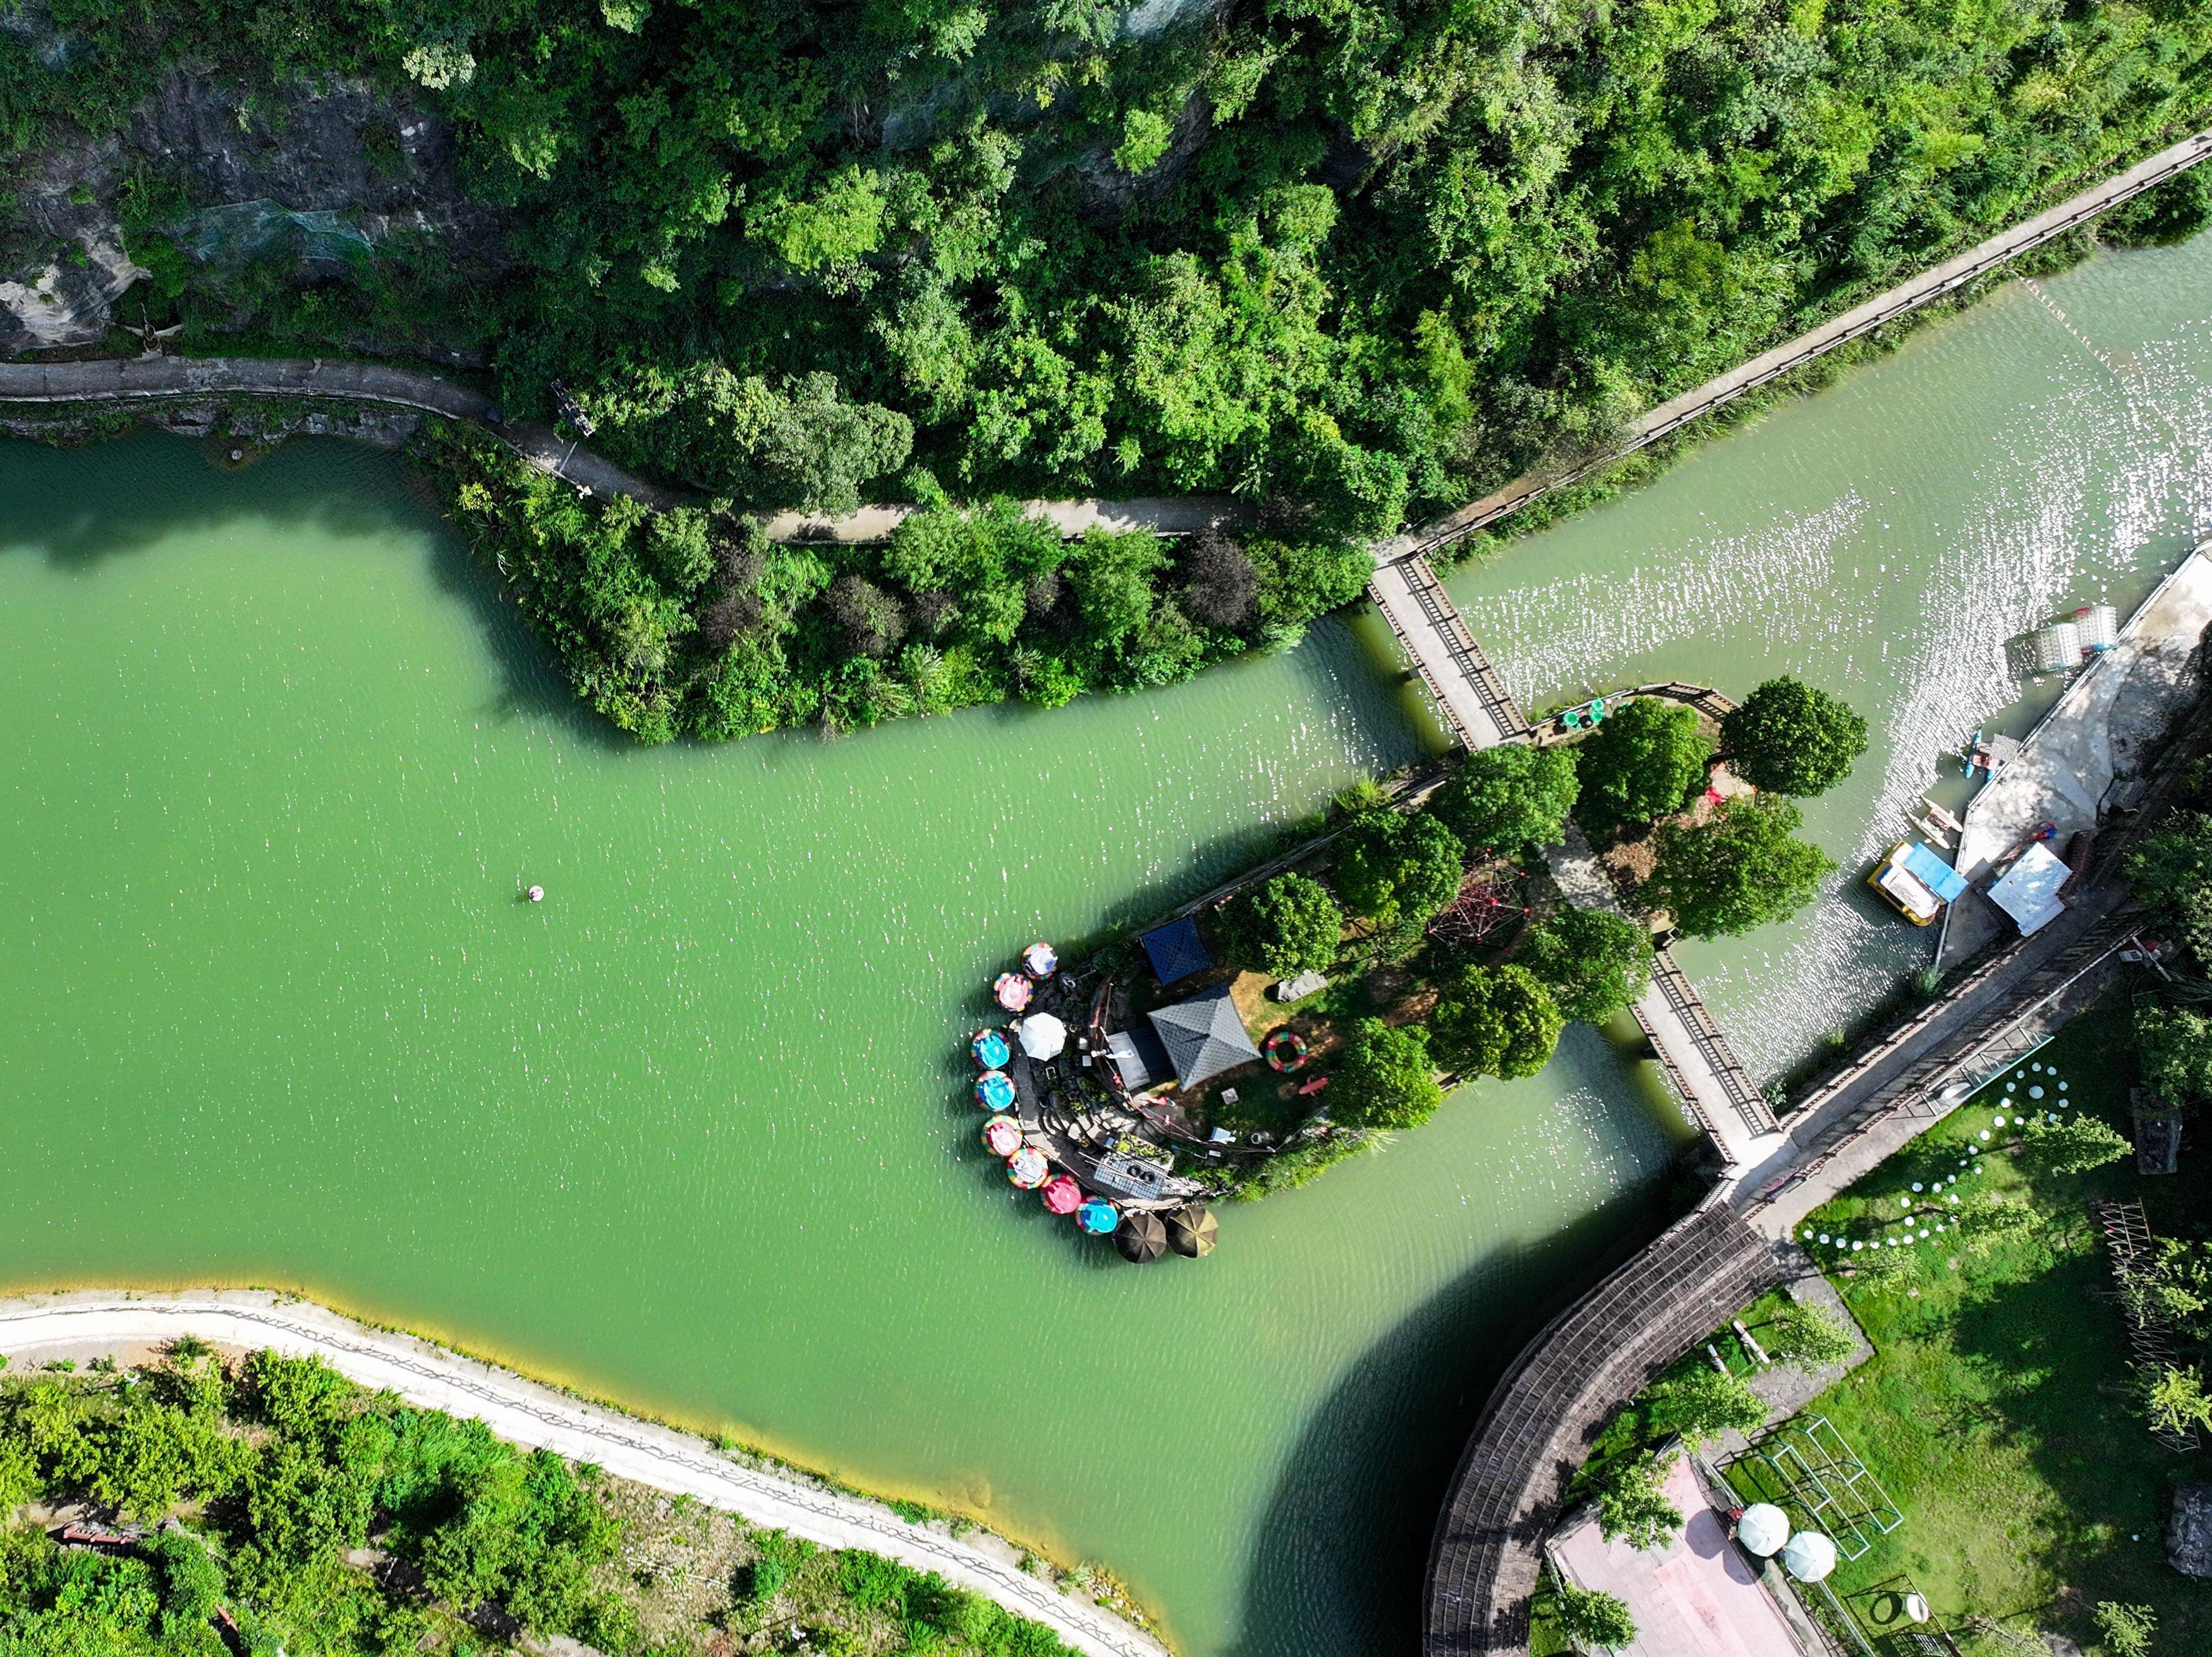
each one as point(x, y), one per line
point(1542, 1418)
point(1476, 707)
point(1933, 283)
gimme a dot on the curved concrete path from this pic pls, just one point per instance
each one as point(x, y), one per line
point(526, 1413)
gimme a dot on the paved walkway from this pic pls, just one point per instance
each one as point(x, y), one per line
point(1690, 1045)
point(525, 1412)
point(2101, 732)
point(1947, 277)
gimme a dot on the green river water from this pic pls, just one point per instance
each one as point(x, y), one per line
point(690, 1133)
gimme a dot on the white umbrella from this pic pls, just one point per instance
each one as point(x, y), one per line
point(1762, 1529)
point(1042, 1035)
point(1809, 1556)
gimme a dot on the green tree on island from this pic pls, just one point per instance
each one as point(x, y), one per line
point(1510, 797)
point(1495, 1021)
point(1645, 762)
point(1739, 869)
point(1397, 868)
point(1288, 926)
point(1791, 738)
point(1384, 1078)
point(1593, 1616)
point(1596, 962)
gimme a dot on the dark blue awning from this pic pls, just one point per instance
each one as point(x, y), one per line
point(1176, 950)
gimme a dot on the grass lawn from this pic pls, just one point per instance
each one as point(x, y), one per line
point(1998, 1410)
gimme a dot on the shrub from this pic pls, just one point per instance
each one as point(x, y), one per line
point(1285, 927)
point(1807, 1334)
point(1595, 1616)
point(1397, 870)
point(1496, 1021)
point(1631, 1508)
point(1595, 961)
point(1385, 1078)
point(2176, 1044)
point(1738, 870)
point(2125, 1630)
point(2074, 1144)
point(1511, 797)
point(1792, 738)
point(1644, 761)
point(1702, 1404)
point(2177, 1402)
point(2172, 873)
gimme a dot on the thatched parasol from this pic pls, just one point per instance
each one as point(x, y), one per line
point(1142, 1238)
point(1192, 1229)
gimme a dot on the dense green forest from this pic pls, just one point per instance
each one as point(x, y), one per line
point(271, 1506)
point(1350, 261)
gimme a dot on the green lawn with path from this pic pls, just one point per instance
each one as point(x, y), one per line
point(1998, 1410)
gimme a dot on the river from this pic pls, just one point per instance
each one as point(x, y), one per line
point(689, 1134)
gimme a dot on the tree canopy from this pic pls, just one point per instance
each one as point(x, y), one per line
point(1596, 962)
point(1740, 869)
point(1397, 868)
point(1792, 738)
point(1384, 1078)
point(1288, 926)
point(1509, 797)
point(1495, 1021)
point(1646, 760)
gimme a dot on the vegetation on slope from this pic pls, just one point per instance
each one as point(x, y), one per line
point(318, 1518)
point(1370, 257)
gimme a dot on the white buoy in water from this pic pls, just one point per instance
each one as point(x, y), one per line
point(538, 895)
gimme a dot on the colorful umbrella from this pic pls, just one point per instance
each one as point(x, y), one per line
point(1142, 1239)
point(1042, 1035)
point(1003, 1134)
point(1099, 1216)
point(995, 1089)
point(1062, 1195)
point(1028, 1168)
point(1012, 991)
point(1041, 959)
point(991, 1050)
point(1192, 1230)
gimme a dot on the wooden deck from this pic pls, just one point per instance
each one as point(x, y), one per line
point(1476, 707)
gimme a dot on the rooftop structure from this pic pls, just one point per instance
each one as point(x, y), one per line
point(1177, 951)
point(2029, 891)
point(1204, 1036)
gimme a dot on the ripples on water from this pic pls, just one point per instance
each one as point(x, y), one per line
point(1885, 540)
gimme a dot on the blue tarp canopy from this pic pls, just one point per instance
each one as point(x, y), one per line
point(1177, 951)
point(1931, 871)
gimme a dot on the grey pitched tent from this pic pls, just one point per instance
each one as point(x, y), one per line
point(1203, 1036)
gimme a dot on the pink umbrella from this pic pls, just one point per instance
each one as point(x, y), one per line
point(1012, 990)
point(1003, 1134)
point(1062, 1195)
point(1028, 1168)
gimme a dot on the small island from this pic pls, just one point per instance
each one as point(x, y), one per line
point(1423, 935)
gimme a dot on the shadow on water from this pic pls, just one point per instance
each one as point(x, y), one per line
point(1340, 1556)
point(121, 495)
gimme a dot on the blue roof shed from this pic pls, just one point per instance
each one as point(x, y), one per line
point(1177, 951)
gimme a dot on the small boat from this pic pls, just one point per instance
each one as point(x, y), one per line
point(1942, 815)
point(1933, 833)
point(1915, 882)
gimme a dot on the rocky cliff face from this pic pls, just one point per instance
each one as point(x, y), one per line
point(310, 179)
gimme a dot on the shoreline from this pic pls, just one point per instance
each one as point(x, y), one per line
point(538, 1415)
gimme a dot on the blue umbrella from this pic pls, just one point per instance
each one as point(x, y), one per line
point(991, 1050)
point(996, 1090)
